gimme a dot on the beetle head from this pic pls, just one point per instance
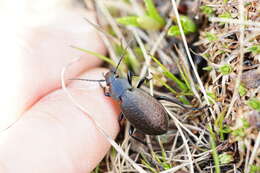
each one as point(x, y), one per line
point(110, 76)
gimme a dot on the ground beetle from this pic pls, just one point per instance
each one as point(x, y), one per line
point(143, 111)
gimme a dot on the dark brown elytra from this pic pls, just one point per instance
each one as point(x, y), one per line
point(143, 111)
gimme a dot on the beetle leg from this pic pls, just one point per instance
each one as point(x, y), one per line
point(131, 131)
point(120, 118)
point(198, 109)
point(104, 90)
point(129, 77)
point(141, 82)
point(176, 101)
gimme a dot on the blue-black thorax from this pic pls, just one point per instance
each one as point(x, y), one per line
point(118, 86)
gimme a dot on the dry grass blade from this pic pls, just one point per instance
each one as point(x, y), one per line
point(241, 60)
point(184, 141)
point(234, 21)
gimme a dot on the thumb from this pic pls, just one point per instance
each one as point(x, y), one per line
point(54, 136)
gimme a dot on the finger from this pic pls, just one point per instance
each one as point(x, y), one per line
point(38, 48)
point(54, 136)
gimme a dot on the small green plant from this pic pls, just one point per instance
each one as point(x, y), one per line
point(240, 132)
point(245, 123)
point(254, 103)
point(254, 169)
point(254, 49)
point(174, 31)
point(187, 24)
point(207, 10)
point(208, 68)
point(225, 15)
point(225, 158)
point(225, 69)
point(242, 90)
point(211, 36)
point(151, 21)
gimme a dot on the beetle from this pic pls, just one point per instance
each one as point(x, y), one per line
point(144, 112)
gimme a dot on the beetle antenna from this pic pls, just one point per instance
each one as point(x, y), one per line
point(90, 80)
point(122, 56)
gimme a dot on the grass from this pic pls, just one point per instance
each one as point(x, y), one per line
point(213, 146)
point(197, 141)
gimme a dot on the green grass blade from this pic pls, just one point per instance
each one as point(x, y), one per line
point(152, 12)
point(219, 123)
point(184, 76)
point(184, 100)
point(214, 149)
point(168, 74)
point(132, 62)
point(165, 85)
point(148, 23)
point(146, 163)
point(187, 24)
point(100, 56)
point(128, 20)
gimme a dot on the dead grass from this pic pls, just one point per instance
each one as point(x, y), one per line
point(224, 138)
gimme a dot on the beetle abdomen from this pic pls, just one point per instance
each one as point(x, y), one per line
point(144, 112)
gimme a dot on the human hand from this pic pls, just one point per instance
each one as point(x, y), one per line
point(52, 135)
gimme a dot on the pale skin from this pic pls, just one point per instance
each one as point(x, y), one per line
point(52, 135)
